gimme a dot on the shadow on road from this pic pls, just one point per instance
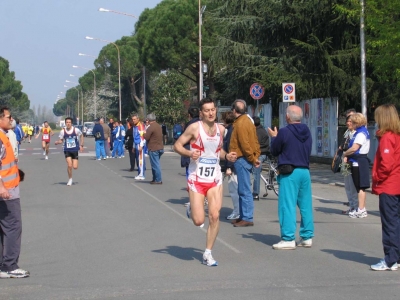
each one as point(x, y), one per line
point(352, 256)
point(182, 253)
point(267, 239)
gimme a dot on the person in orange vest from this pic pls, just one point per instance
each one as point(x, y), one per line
point(46, 133)
point(10, 206)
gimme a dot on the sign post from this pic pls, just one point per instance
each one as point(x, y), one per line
point(257, 91)
point(289, 92)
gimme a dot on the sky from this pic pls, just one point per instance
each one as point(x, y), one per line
point(41, 39)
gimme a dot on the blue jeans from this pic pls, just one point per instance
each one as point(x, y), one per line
point(155, 164)
point(295, 190)
point(100, 152)
point(246, 205)
point(256, 175)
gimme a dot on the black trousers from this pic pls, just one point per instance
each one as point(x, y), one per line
point(389, 207)
point(132, 158)
point(10, 234)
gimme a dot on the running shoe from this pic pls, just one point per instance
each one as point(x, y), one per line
point(46, 157)
point(17, 273)
point(382, 266)
point(104, 158)
point(69, 183)
point(44, 152)
point(140, 177)
point(209, 260)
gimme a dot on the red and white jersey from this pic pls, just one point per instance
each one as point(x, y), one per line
point(206, 168)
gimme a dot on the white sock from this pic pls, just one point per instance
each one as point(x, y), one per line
point(208, 251)
point(359, 209)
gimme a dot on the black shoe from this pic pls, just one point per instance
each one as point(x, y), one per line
point(346, 203)
point(256, 198)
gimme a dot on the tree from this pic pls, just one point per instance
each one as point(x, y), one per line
point(170, 91)
point(312, 43)
point(11, 89)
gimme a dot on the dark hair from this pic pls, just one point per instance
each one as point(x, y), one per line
point(68, 118)
point(193, 112)
point(229, 117)
point(206, 101)
point(238, 109)
point(350, 110)
point(131, 123)
point(257, 121)
point(17, 121)
point(2, 109)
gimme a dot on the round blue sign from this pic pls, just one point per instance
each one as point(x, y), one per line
point(288, 89)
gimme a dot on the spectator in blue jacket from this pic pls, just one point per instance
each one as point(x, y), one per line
point(98, 133)
point(292, 144)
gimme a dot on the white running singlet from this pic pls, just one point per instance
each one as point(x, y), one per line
point(206, 168)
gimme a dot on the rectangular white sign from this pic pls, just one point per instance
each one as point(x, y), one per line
point(288, 92)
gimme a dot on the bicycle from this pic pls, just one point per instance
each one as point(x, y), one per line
point(270, 176)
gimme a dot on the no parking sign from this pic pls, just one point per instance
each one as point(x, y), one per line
point(289, 92)
point(257, 91)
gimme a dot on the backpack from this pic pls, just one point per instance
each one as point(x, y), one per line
point(177, 131)
point(97, 135)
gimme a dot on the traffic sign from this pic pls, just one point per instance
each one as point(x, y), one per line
point(257, 91)
point(289, 92)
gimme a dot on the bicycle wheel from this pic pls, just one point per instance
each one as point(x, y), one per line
point(274, 182)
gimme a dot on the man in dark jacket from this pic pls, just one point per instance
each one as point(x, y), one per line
point(263, 140)
point(293, 146)
point(98, 133)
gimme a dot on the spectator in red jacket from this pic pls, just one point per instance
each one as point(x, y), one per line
point(385, 183)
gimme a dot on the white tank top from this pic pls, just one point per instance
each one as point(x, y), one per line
point(206, 168)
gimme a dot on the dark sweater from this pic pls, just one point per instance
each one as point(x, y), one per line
point(98, 128)
point(263, 139)
point(293, 145)
point(154, 137)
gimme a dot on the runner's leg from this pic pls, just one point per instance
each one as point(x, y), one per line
point(197, 207)
point(69, 166)
point(214, 197)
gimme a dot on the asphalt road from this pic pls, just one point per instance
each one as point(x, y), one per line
point(111, 237)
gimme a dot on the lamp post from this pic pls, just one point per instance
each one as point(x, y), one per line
point(94, 89)
point(78, 96)
point(119, 72)
point(201, 11)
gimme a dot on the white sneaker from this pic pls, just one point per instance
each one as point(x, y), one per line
point(357, 213)
point(209, 260)
point(304, 243)
point(46, 157)
point(44, 152)
point(69, 183)
point(285, 245)
point(139, 177)
point(17, 273)
point(232, 216)
point(382, 266)
point(104, 158)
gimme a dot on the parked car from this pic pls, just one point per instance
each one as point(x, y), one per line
point(88, 131)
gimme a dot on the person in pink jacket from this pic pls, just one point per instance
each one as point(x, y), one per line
point(385, 183)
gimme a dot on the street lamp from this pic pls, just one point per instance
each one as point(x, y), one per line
point(83, 54)
point(116, 12)
point(94, 89)
point(119, 71)
point(201, 11)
